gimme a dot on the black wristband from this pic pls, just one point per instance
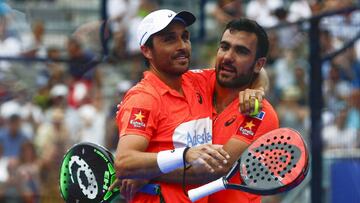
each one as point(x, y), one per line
point(184, 170)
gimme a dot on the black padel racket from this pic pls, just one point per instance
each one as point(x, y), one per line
point(86, 173)
point(276, 162)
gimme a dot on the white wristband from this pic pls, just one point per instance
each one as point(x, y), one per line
point(170, 160)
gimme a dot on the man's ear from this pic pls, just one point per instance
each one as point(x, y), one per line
point(146, 51)
point(260, 63)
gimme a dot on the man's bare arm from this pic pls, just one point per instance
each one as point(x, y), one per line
point(132, 162)
point(197, 175)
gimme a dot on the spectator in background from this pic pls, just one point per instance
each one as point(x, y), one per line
point(58, 96)
point(11, 137)
point(51, 134)
point(9, 44)
point(335, 90)
point(299, 9)
point(337, 135)
point(4, 175)
point(92, 122)
point(55, 69)
point(284, 71)
point(261, 11)
point(28, 171)
point(49, 75)
point(121, 13)
point(35, 44)
point(353, 118)
point(52, 142)
point(132, 44)
point(12, 186)
point(84, 76)
point(354, 66)
point(291, 114)
point(227, 10)
point(288, 36)
point(302, 84)
point(112, 132)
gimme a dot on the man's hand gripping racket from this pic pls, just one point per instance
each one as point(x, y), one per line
point(276, 162)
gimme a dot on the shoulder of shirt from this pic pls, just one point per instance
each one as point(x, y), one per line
point(268, 108)
point(199, 71)
point(143, 88)
point(196, 74)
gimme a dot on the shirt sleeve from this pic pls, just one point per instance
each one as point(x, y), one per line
point(205, 78)
point(138, 115)
point(254, 127)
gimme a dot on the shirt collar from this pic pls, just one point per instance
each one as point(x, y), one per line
point(160, 85)
point(156, 82)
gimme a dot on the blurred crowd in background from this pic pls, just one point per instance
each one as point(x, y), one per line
point(69, 94)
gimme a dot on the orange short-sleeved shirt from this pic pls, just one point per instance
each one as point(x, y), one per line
point(231, 124)
point(168, 120)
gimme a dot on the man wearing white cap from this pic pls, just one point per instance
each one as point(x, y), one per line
point(166, 112)
point(178, 102)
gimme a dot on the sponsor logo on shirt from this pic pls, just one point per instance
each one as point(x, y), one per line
point(193, 133)
point(199, 97)
point(230, 121)
point(248, 128)
point(260, 115)
point(138, 118)
point(198, 138)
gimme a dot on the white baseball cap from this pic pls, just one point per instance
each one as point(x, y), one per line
point(158, 20)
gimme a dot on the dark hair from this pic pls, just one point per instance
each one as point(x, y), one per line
point(247, 25)
point(149, 43)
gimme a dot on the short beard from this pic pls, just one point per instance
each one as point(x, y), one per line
point(240, 81)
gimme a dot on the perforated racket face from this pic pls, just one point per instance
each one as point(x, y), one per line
point(275, 162)
point(86, 173)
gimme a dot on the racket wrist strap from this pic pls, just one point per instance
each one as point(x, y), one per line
point(170, 160)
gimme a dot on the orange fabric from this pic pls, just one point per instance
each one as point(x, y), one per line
point(230, 123)
point(168, 120)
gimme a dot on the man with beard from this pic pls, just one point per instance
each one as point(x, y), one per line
point(164, 114)
point(241, 55)
point(169, 109)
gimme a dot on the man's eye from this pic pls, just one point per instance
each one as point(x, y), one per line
point(169, 38)
point(242, 51)
point(224, 47)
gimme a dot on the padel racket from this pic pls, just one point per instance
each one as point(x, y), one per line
point(86, 173)
point(276, 162)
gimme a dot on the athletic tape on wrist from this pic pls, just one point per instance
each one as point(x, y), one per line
point(170, 160)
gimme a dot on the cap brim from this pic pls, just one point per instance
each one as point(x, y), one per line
point(186, 16)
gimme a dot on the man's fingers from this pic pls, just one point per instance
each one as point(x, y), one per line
point(128, 190)
point(220, 149)
point(247, 100)
point(123, 188)
point(208, 156)
point(115, 184)
point(241, 102)
point(201, 162)
point(214, 152)
point(259, 95)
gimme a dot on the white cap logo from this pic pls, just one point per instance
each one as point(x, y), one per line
point(158, 20)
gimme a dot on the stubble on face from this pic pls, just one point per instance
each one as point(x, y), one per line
point(238, 81)
point(236, 59)
point(172, 50)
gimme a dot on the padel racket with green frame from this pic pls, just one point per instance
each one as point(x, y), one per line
point(276, 162)
point(86, 173)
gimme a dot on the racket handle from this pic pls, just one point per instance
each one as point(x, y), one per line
point(206, 190)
